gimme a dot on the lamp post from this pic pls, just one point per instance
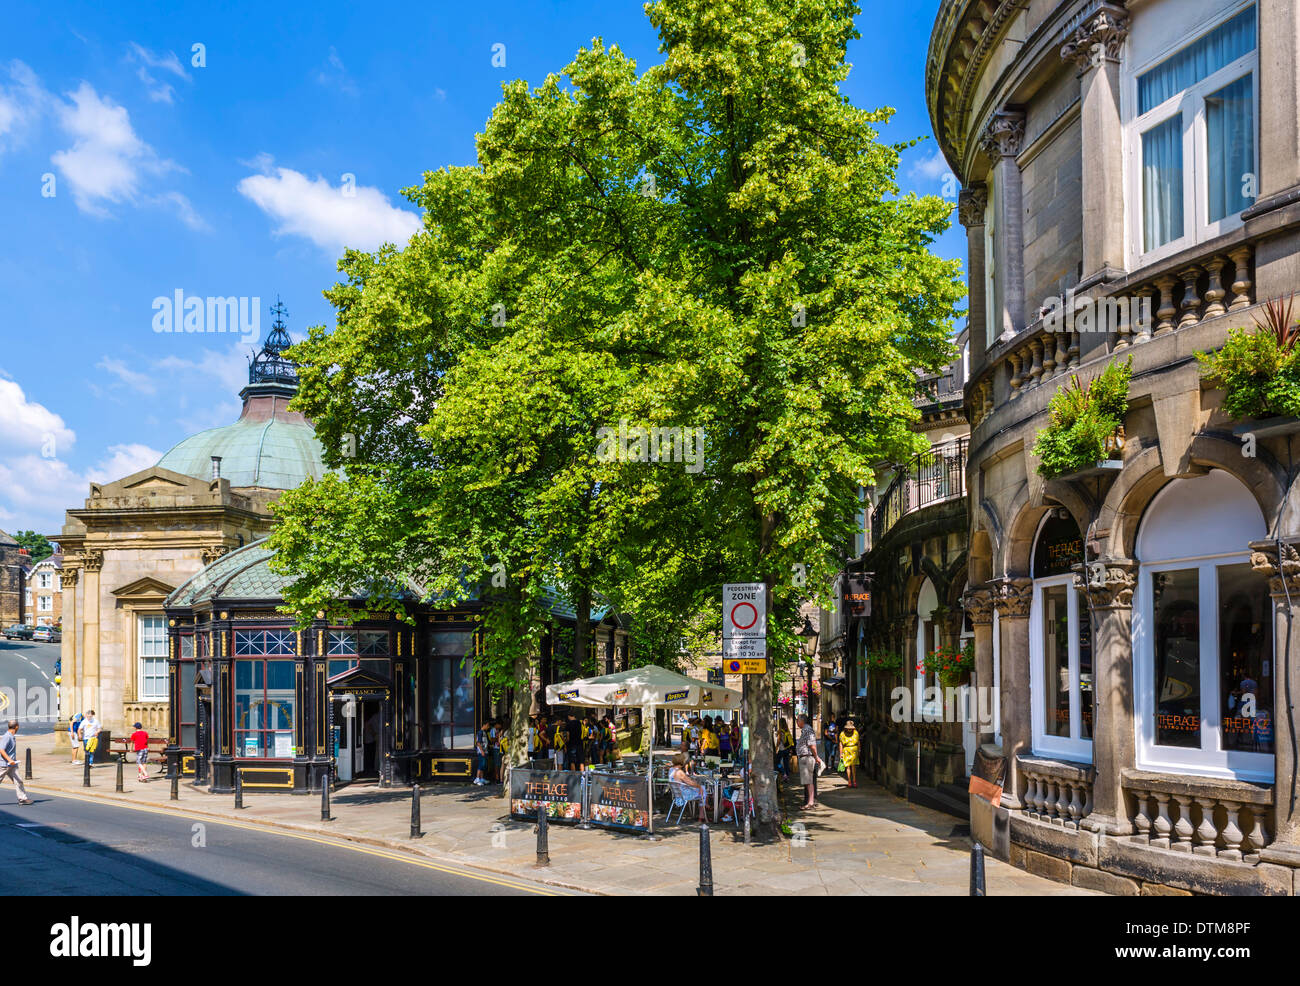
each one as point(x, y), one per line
point(808, 643)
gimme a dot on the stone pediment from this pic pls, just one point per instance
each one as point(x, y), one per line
point(145, 587)
point(153, 480)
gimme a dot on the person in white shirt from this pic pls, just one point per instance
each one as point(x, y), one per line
point(90, 728)
point(9, 761)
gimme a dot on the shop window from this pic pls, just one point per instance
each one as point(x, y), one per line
point(151, 647)
point(1203, 634)
point(451, 692)
point(1192, 135)
point(186, 674)
point(348, 648)
point(265, 707)
point(1060, 644)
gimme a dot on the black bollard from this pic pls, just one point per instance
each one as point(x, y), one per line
point(239, 789)
point(325, 797)
point(977, 871)
point(705, 888)
point(121, 759)
point(176, 791)
point(415, 812)
point(27, 776)
point(85, 779)
point(543, 850)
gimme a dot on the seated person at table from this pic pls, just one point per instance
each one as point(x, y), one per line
point(691, 790)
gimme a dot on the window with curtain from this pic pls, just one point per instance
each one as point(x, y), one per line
point(1193, 135)
point(151, 645)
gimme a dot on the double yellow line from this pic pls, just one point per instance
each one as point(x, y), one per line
point(335, 843)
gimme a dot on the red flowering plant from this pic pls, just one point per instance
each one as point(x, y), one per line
point(950, 664)
point(883, 662)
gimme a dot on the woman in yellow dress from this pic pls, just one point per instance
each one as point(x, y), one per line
point(849, 740)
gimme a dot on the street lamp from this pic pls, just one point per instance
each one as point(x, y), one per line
point(808, 644)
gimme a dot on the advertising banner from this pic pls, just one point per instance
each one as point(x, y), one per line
point(619, 801)
point(559, 790)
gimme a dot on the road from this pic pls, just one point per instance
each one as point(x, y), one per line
point(65, 845)
point(27, 683)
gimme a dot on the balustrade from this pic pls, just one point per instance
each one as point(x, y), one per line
point(1230, 823)
point(1056, 793)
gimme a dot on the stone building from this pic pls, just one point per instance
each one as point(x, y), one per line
point(136, 540)
point(45, 591)
point(13, 568)
point(899, 598)
point(1140, 153)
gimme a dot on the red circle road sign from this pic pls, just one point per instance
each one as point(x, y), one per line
point(735, 622)
point(734, 667)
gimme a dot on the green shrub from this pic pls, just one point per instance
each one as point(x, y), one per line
point(1081, 419)
point(1259, 378)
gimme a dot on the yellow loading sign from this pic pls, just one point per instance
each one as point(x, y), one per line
point(746, 666)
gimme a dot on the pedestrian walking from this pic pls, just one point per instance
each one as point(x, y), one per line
point(140, 744)
point(829, 744)
point(849, 744)
point(784, 748)
point(809, 760)
point(559, 742)
point(90, 727)
point(74, 736)
point(9, 761)
point(481, 755)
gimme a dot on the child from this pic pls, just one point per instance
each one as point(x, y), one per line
point(140, 744)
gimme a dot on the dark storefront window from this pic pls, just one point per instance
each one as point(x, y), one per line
point(1245, 660)
point(451, 691)
point(189, 714)
point(348, 648)
point(1178, 658)
point(265, 700)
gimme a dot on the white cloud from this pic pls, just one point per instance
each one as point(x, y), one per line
point(930, 168)
point(334, 75)
point(142, 383)
point(108, 163)
point(21, 103)
point(159, 92)
point(26, 424)
point(321, 212)
point(122, 461)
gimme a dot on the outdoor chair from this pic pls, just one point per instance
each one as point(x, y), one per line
point(737, 801)
point(680, 800)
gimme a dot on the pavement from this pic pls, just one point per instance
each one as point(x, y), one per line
point(860, 841)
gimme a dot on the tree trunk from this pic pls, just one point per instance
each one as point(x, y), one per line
point(521, 706)
point(758, 713)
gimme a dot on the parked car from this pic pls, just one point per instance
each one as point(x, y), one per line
point(19, 631)
point(47, 635)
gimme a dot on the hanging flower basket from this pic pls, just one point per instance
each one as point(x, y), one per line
point(888, 663)
point(952, 665)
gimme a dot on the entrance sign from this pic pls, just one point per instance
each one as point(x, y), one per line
point(560, 791)
point(747, 667)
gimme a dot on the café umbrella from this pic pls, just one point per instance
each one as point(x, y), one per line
point(648, 688)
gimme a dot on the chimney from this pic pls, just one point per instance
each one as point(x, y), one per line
point(216, 467)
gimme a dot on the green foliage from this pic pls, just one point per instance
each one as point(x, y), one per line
point(37, 545)
point(1081, 419)
point(1260, 377)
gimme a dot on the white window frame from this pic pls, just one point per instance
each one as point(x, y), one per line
point(1209, 760)
point(1074, 746)
point(45, 604)
point(143, 691)
point(43, 580)
point(1190, 105)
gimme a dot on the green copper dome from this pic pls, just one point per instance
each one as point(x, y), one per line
point(269, 447)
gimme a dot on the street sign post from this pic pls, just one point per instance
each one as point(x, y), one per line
point(744, 621)
point(746, 666)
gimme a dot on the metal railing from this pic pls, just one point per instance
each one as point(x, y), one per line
point(930, 477)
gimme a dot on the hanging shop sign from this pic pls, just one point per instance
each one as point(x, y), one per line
point(560, 791)
point(618, 801)
point(857, 596)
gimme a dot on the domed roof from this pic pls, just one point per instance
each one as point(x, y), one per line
point(268, 447)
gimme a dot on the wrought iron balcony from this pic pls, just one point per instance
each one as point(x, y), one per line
point(931, 477)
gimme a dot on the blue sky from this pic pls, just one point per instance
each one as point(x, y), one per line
point(128, 173)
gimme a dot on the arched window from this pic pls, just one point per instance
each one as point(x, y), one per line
point(1203, 633)
point(1060, 643)
point(927, 639)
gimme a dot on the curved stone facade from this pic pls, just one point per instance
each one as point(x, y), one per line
point(1138, 614)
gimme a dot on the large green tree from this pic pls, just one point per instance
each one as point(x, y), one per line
point(717, 244)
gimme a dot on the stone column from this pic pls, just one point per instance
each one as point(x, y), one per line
point(971, 206)
point(88, 683)
point(979, 606)
point(1012, 599)
point(1108, 585)
point(1285, 847)
point(1001, 141)
point(69, 651)
point(1095, 48)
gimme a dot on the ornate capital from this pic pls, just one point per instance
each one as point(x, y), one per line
point(68, 578)
point(979, 605)
point(1108, 582)
point(1264, 559)
point(1012, 597)
point(1098, 39)
point(211, 554)
point(1003, 136)
point(971, 204)
point(93, 561)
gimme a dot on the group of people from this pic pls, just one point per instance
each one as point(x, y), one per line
point(838, 749)
point(83, 737)
point(567, 741)
point(710, 737)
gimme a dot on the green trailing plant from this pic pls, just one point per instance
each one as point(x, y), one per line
point(884, 662)
point(1082, 419)
point(951, 664)
point(1259, 369)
